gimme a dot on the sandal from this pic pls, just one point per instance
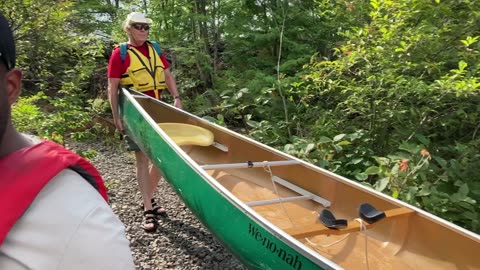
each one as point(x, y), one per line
point(158, 210)
point(150, 224)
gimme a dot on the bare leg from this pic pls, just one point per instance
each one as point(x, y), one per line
point(155, 176)
point(143, 179)
point(144, 184)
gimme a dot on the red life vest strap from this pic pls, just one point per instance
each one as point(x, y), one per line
point(25, 172)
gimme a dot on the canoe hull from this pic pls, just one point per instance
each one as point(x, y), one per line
point(247, 238)
point(288, 235)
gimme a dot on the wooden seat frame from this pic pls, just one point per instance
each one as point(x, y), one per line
point(353, 226)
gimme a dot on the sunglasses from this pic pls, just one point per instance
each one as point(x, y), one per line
point(139, 26)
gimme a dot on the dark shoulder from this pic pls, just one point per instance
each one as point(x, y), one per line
point(116, 52)
point(117, 48)
point(153, 41)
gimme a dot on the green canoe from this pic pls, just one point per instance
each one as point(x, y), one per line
point(265, 205)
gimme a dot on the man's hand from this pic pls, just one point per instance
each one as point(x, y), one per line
point(119, 125)
point(178, 103)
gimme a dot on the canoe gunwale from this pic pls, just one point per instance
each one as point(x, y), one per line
point(243, 207)
point(281, 235)
point(343, 180)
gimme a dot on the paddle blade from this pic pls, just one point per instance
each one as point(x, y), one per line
point(185, 134)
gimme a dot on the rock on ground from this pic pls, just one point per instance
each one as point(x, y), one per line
point(181, 242)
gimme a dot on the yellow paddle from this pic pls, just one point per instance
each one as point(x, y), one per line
point(185, 134)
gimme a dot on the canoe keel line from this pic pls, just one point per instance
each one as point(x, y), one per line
point(276, 212)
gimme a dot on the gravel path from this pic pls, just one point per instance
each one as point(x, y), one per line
point(181, 242)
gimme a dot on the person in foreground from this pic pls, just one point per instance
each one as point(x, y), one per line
point(53, 203)
point(144, 68)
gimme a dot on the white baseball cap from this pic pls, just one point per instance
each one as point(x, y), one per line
point(137, 17)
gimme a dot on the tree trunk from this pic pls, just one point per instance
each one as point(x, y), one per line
point(216, 4)
point(145, 6)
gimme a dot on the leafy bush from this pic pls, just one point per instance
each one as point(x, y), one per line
point(391, 91)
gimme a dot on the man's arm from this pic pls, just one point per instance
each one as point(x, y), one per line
point(172, 88)
point(113, 84)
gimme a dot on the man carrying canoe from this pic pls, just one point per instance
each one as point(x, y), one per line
point(140, 65)
point(53, 203)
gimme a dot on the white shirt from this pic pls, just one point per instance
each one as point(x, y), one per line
point(68, 226)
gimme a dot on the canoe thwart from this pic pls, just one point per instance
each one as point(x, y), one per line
point(280, 200)
point(299, 190)
point(221, 147)
point(329, 220)
point(370, 214)
point(185, 134)
point(250, 164)
point(304, 195)
point(353, 226)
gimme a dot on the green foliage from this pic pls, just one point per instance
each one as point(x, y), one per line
point(27, 115)
point(441, 187)
point(357, 87)
point(88, 154)
point(63, 118)
point(100, 106)
point(345, 154)
point(395, 83)
point(57, 68)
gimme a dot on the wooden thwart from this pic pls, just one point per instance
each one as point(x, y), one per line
point(353, 226)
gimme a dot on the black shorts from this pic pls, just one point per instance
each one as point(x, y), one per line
point(131, 145)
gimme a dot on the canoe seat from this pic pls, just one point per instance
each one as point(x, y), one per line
point(329, 220)
point(186, 134)
point(353, 226)
point(370, 214)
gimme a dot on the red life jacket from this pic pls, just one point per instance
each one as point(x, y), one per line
point(24, 173)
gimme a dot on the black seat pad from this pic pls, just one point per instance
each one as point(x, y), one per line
point(370, 214)
point(329, 220)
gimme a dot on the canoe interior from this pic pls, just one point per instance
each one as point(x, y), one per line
point(415, 241)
